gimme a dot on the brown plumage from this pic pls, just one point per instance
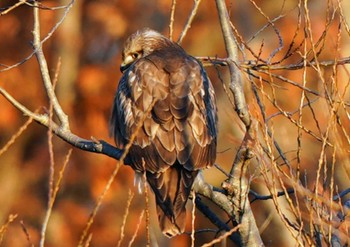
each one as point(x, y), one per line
point(178, 135)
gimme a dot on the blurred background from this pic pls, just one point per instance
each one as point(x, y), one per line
point(88, 44)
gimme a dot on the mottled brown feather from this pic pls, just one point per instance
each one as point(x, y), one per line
point(178, 135)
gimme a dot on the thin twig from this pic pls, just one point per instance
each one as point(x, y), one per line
point(44, 7)
point(136, 229)
point(12, 7)
point(219, 239)
point(262, 197)
point(249, 64)
point(189, 21)
point(26, 233)
point(16, 135)
point(193, 218)
point(341, 194)
point(130, 197)
point(280, 39)
point(47, 37)
point(216, 221)
point(76, 141)
point(172, 19)
point(88, 240)
point(50, 136)
point(53, 198)
point(113, 175)
point(5, 226)
point(144, 178)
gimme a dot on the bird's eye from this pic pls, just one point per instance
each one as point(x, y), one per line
point(134, 55)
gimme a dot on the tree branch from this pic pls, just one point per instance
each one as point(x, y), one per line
point(189, 21)
point(267, 197)
point(216, 221)
point(231, 49)
point(66, 135)
point(237, 184)
point(45, 72)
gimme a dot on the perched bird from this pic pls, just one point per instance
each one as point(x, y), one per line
point(166, 100)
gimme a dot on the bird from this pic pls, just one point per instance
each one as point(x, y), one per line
point(165, 106)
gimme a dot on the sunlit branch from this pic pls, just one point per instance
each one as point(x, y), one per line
point(66, 135)
point(6, 10)
point(237, 184)
point(233, 63)
point(257, 196)
point(172, 19)
point(252, 65)
point(189, 21)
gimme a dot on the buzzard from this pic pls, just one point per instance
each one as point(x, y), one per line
point(166, 100)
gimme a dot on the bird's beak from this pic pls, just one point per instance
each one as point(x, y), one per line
point(124, 67)
point(127, 61)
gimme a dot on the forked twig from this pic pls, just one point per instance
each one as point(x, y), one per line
point(47, 37)
point(64, 124)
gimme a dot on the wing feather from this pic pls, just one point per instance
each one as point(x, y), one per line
point(182, 124)
point(177, 137)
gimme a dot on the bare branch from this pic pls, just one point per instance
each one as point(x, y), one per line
point(12, 7)
point(127, 207)
point(233, 63)
point(262, 197)
point(47, 37)
point(5, 226)
point(216, 221)
point(136, 229)
point(45, 72)
point(341, 194)
point(172, 19)
point(76, 141)
point(251, 65)
point(16, 135)
point(52, 199)
point(189, 21)
point(203, 188)
point(219, 239)
point(26, 232)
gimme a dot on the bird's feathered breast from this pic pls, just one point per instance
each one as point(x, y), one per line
point(181, 125)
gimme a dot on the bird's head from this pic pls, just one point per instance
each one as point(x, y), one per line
point(141, 44)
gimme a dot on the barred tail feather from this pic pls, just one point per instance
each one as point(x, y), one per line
point(172, 189)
